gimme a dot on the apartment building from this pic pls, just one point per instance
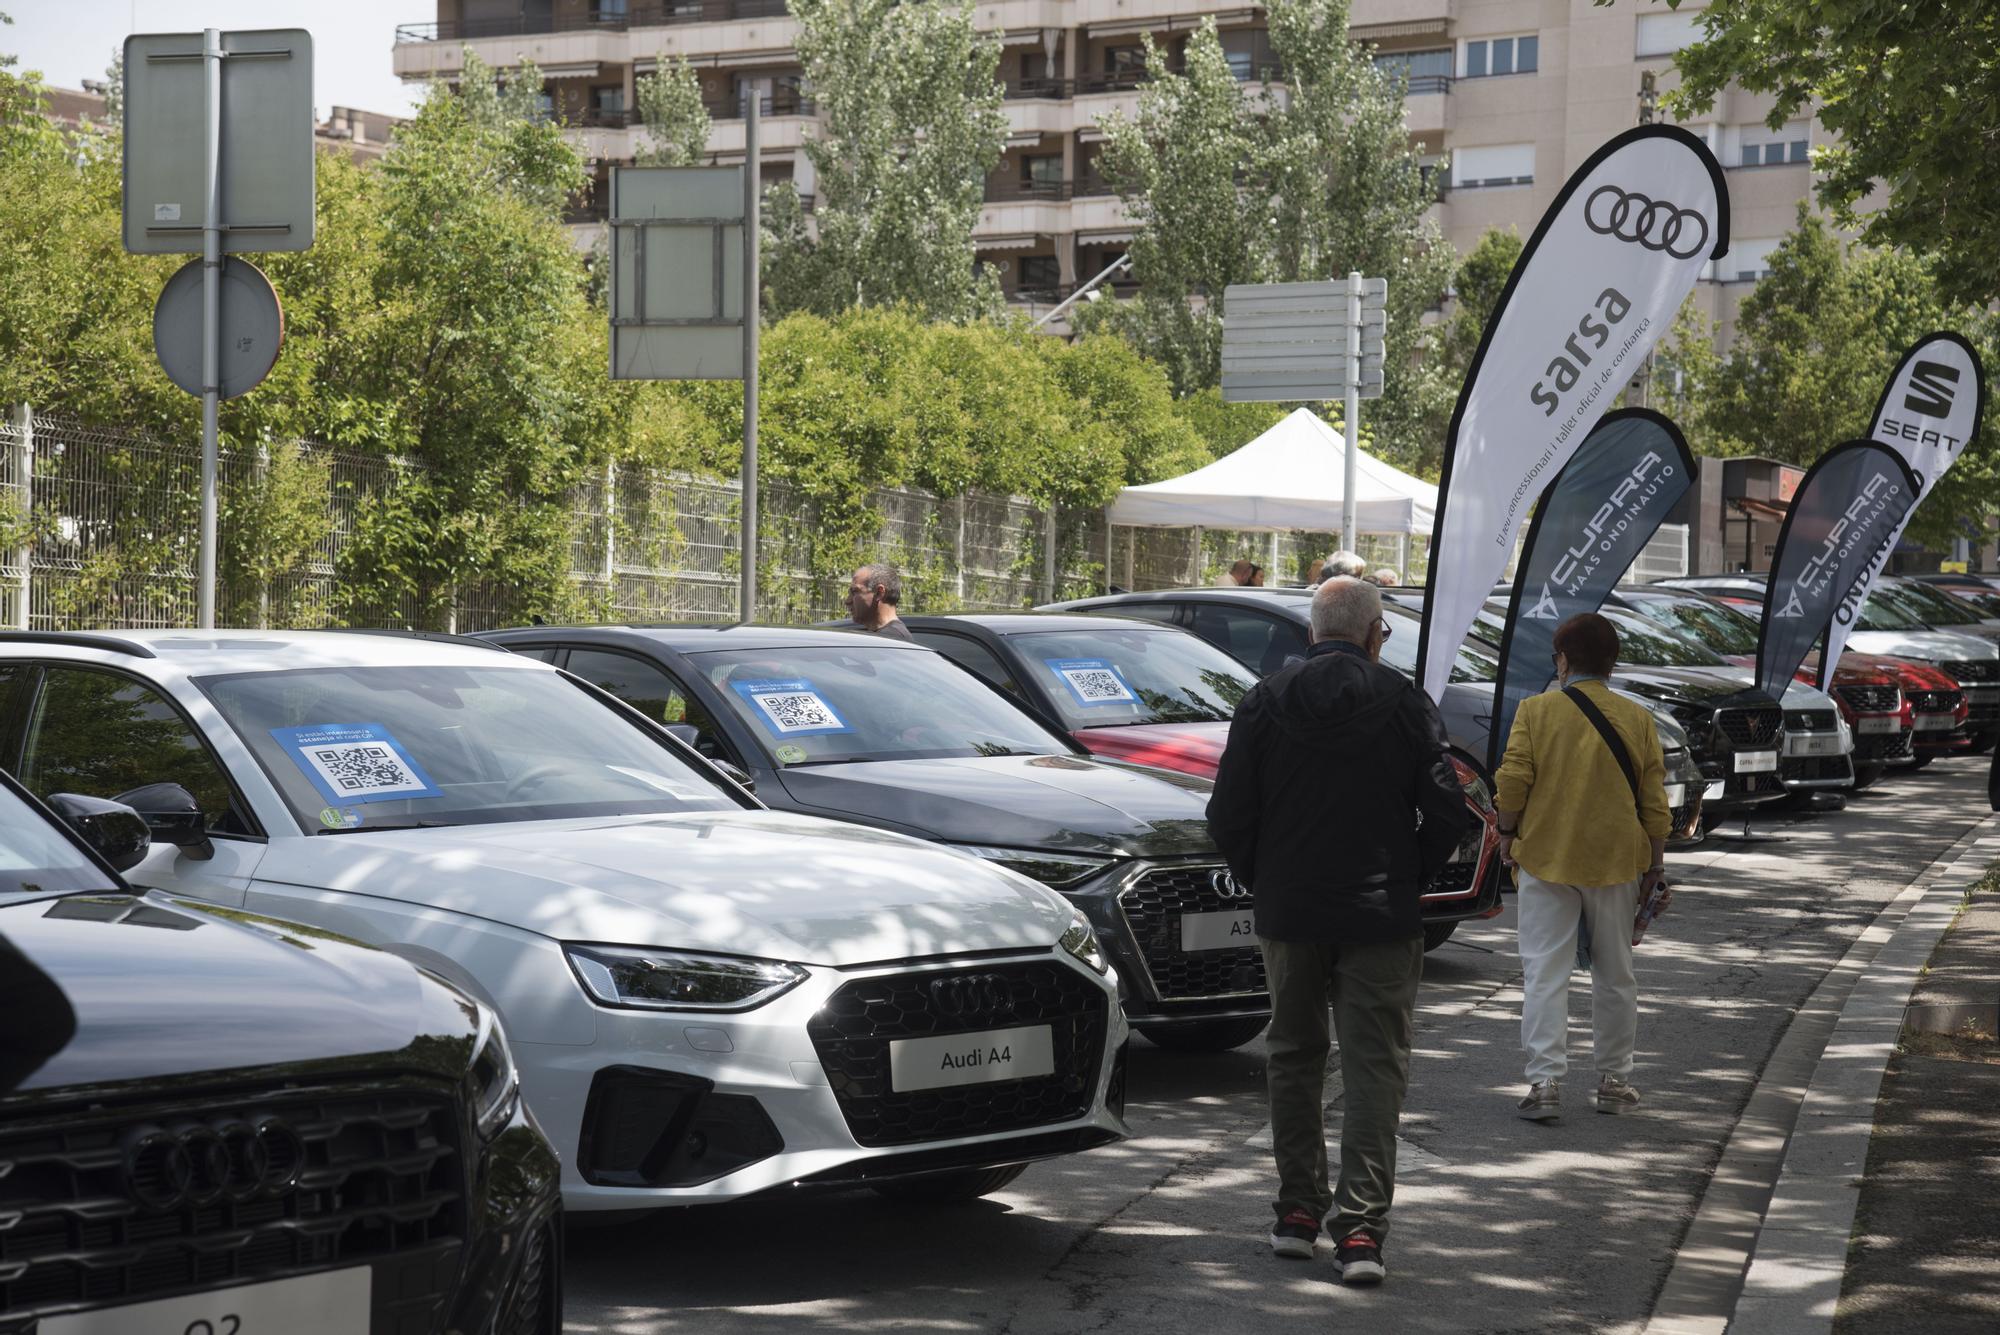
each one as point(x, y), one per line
point(1507, 97)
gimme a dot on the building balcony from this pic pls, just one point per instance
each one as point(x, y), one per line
point(604, 19)
point(1039, 89)
point(781, 102)
point(1010, 190)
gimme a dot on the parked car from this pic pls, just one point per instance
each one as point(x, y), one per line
point(214, 1121)
point(1265, 628)
point(1181, 692)
point(706, 999)
point(1982, 591)
point(1868, 689)
point(1941, 609)
point(1882, 627)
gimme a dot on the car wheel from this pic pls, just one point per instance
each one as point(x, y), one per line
point(1205, 1035)
point(1982, 742)
point(950, 1188)
point(1437, 933)
point(1866, 775)
point(1923, 760)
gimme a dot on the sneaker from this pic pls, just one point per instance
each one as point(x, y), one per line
point(1295, 1235)
point(1615, 1095)
point(1359, 1257)
point(1543, 1103)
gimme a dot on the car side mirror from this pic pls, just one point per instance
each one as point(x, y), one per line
point(736, 774)
point(113, 830)
point(173, 816)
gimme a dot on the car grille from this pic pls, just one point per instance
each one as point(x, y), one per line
point(1153, 906)
point(1974, 669)
point(853, 1030)
point(1936, 702)
point(1752, 726)
point(1455, 879)
point(1742, 785)
point(378, 1176)
point(1810, 720)
point(1805, 769)
point(1872, 699)
point(1882, 746)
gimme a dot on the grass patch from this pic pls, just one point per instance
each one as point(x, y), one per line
point(1966, 1045)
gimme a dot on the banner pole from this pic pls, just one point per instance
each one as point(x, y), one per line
point(1352, 415)
point(752, 223)
point(211, 316)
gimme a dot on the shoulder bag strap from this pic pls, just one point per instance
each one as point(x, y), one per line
point(1611, 739)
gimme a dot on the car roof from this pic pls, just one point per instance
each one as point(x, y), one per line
point(695, 637)
point(1014, 623)
point(200, 652)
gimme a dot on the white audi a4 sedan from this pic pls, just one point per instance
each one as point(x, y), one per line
point(705, 999)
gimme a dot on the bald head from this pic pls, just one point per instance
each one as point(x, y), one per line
point(1345, 608)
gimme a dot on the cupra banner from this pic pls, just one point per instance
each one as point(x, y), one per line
point(1846, 510)
point(1601, 510)
point(1596, 286)
point(1929, 411)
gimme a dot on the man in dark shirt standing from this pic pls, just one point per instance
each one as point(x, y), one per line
point(1336, 804)
point(872, 599)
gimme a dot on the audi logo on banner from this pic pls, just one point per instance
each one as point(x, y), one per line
point(199, 1163)
point(1226, 886)
point(1652, 223)
point(971, 996)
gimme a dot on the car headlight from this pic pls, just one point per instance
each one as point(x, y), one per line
point(496, 1083)
point(673, 980)
point(1081, 942)
point(1051, 869)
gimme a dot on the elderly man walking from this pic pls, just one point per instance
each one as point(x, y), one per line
point(872, 596)
point(1336, 805)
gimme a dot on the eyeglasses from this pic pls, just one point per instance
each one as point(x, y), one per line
point(1387, 629)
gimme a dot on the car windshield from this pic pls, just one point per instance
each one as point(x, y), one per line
point(35, 857)
point(1108, 678)
point(386, 747)
point(1986, 600)
point(1712, 625)
point(1641, 643)
point(1399, 651)
point(823, 706)
point(1880, 613)
point(1933, 606)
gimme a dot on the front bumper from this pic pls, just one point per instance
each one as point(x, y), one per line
point(673, 1108)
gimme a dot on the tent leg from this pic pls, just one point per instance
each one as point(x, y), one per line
point(1195, 578)
point(1403, 558)
point(1272, 564)
point(1110, 536)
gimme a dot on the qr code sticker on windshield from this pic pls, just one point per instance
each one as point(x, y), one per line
point(798, 711)
point(363, 767)
point(1093, 681)
point(1096, 684)
point(355, 762)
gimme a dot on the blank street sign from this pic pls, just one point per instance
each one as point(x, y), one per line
point(677, 273)
point(1289, 341)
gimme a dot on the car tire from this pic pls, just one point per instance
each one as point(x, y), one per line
point(1923, 760)
point(1865, 776)
point(1205, 1035)
point(950, 1188)
point(1437, 933)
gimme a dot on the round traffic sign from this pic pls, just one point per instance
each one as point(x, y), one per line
point(253, 327)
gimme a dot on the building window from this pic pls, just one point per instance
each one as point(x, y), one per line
point(1492, 165)
point(1428, 71)
point(1125, 60)
point(609, 11)
point(1044, 170)
point(1664, 34)
point(1501, 55)
point(1041, 273)
point(1748, 261)
point(608, 100)
point(1248, 51)
point(1764, 147)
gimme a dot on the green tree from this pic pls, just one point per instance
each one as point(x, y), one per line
point(1910, 96)
point(1481, 277)
point(910, 123)
point(1229, 184)
point(676, 118)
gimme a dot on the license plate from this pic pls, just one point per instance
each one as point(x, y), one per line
point(1811, 744)
point(1756, 762)
point(984, 1058)
point(1935, 723)
point(1676, 794)
point(334, 1303)
point(1878, 723)
point(1216, 931)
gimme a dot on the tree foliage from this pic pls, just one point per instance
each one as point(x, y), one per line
point(910, 123)
point(1911, 97)
point(1233, 184)
point(676, 119)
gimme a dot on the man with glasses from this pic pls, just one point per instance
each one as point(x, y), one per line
point(1336, 804)
point(872, 596)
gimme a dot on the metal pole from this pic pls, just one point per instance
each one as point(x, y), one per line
point(1122, 262)
point(752, 223)
point(24, 476)
point(1110, 536)
point(1049, 556)
point(211, 314)
point(1271, 566)
point(1352, 421)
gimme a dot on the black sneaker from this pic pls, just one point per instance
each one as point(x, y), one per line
point(1359, 1257)
point(1295, 1235)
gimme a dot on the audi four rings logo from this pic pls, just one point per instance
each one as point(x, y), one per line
point(1227, 886)
point(169, 1168)
point(972, 994)
point(1653, 223)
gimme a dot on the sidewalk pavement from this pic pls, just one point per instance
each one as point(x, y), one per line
point(1925, 1254)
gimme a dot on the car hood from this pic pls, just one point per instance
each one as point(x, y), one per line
point(1932, 646)
point(1049, 803)
point(1190, 748)
point(123, 988)
point(1711, 685)
point(761, 883)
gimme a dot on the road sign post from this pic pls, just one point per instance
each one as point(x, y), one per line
point(746, 603)
point(1288, 342)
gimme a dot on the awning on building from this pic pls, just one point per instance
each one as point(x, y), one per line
point(1105, 238)
point(1376, 32)
point(1178, 23)
point(1757, 509)
point(1027, 242)
point(581, 70)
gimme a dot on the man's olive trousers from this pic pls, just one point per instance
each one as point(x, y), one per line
point(1370, 991)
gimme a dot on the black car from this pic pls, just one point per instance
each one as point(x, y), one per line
point(901, 739)
point(216, 1122)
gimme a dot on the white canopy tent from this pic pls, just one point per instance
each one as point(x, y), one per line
point(1289, 478)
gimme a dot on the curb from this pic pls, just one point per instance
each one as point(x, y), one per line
point(1776, 1211)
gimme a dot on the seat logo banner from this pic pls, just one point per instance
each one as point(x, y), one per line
point(1930, 409)
point(1595, 288)
point(1592, 523)
point(1846, 512)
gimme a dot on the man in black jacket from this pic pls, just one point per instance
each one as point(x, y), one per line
point(1336, 804)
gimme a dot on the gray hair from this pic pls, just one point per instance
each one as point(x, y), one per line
point(885, 576)
point(1386, 577)
point(1344, 562)
point(1345, 608)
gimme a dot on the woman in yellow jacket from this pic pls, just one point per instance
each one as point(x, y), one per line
point(1586, 849)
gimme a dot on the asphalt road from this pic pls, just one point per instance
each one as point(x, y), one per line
point(1500, 1225)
